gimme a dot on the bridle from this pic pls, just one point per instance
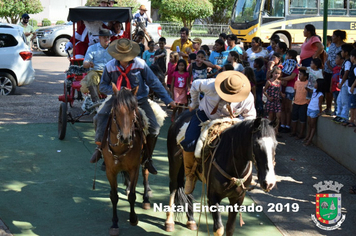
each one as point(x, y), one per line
point(135, 126)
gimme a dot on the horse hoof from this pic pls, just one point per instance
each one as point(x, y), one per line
point(134, 223)
point(169, 227)
point(191, 225)
point(219, 232)
point(146, 205)
point(114, 231)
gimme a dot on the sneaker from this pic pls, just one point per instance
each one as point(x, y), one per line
point(285, 130)
point(337, 119)
point(327, 112)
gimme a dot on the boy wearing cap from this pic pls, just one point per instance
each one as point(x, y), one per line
point(95, 59)
point(27, 29)
point(227, 95)
point(128, 70)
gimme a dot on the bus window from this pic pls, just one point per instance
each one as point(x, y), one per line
point(303, 7)
point(352, 7)
point(274, 8)
point(335, 7)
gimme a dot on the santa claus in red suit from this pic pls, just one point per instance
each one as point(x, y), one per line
point(84, 37)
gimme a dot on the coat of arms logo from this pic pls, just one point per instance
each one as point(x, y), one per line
point(328, 205)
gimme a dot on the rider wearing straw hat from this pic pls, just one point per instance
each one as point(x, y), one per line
point(127, 70)
point(227, 95)
point(141, 18)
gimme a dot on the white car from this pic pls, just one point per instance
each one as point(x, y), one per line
point(15, 60)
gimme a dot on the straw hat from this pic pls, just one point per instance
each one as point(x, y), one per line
point(143, 8)
point(123, 49)
point(232, 86)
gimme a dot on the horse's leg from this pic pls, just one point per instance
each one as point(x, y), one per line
point(230, 225)
point(127, 183)
point(114, 230)
point(214, 200)
point(132, 195)
point(146, 198)
point(169, 225)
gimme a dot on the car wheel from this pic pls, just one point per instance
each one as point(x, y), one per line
point(7, 84)
point(59, 46)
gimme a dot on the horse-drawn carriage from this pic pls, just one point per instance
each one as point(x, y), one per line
point(75, 72)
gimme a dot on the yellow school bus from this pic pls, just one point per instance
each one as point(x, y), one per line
point(287, 18)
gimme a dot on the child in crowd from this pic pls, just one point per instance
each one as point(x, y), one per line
point(138, 39)
point(250, 74)
point(314, 109)
point(161, 55)
point(343, 98)
point(218, 56)
point(315, 72)
point(227, 67)
point(234, 59)
point(198, 69)
point(272, 47)
point(206, 49)
point(260, 76)
point(197, 44)
point(300, 105)
point(328, 43)
point(351, 84)
point(281, 48)
point(191, 58)
point(273, 92)
point(223, 36)
point(149, 55)
point(173, 59)
point(276, 61)
point(290, 63)
point(335, 79)
point(179, 87)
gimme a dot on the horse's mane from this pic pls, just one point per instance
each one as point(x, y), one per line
point(124, 97)
point(239, 137)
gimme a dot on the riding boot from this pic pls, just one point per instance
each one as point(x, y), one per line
point(150, 146)
point(96, 155)
point(93, 90)
point(190, 166)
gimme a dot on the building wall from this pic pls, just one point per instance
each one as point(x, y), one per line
point(56, 10)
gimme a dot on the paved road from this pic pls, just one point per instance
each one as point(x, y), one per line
point(48, 191)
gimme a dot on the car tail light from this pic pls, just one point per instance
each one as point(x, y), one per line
point(159, 31)
point(26, 56)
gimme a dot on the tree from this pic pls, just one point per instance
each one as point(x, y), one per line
point(120, 3)
point(187, 10)
point(13, 10)
point(221, 11)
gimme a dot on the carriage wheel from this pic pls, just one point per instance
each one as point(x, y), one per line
point(62, 121)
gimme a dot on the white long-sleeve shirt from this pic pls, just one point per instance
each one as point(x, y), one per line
point(245, 108)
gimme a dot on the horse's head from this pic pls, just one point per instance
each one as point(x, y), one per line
point(265, 143)
point(125, 110)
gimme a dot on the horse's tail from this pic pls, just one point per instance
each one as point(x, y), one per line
point(182, 199)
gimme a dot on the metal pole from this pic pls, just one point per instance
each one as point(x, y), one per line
point(325, 22)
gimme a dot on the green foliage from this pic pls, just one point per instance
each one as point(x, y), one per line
point(222, 10)
point(60, 22)
point(187, 10)
point(32, 22)
point(46, 22)
point(120, 3)
point(13, 10)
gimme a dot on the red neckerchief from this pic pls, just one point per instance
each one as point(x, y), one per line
point(123, 75)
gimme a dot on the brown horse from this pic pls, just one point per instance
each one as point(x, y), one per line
point(122, 147)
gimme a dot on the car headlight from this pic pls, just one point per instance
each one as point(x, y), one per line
point(253, 31)
point(47, 32)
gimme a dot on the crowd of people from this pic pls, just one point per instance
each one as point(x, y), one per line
point(284, 86)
